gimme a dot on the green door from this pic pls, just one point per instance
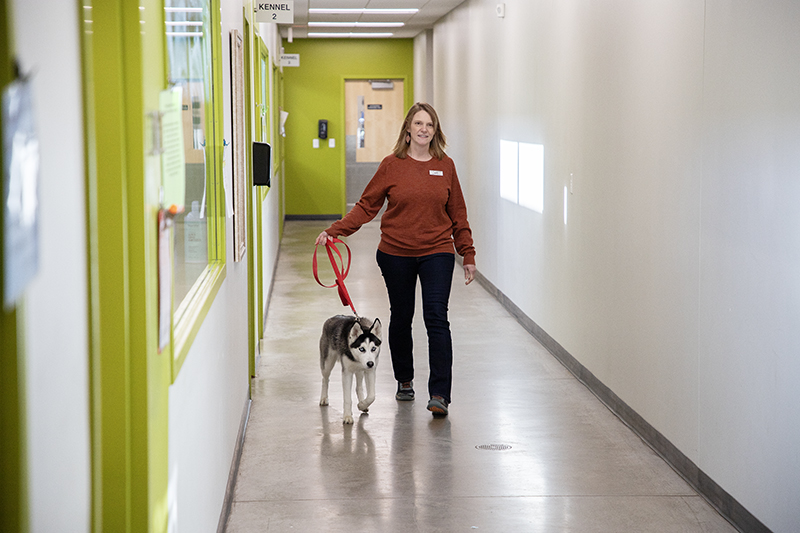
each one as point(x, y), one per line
point(123, 71)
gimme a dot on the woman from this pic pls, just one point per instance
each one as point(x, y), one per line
point(425, 217)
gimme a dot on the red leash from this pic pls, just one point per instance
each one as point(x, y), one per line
point(339, 270)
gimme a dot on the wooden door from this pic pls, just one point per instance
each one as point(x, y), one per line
point(383, 115)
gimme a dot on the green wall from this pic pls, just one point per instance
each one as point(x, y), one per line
point(315, 179)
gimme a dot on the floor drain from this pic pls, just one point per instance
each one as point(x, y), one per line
point(493, 447)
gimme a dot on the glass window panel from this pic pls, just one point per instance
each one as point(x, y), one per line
point(189, 58)
point(264, 100)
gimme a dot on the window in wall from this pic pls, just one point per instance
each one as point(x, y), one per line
point(264, 99)
point(190, 68)
point(522, 174)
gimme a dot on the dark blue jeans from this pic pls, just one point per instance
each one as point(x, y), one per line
point(435, 274)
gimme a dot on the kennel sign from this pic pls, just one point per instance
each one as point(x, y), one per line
point(290, 60)
point(278, 12)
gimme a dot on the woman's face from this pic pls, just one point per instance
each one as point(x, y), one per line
point(421, 129)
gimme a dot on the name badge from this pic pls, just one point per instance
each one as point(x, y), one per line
point(436, 173)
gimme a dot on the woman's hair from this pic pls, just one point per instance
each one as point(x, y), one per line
point(438, 141)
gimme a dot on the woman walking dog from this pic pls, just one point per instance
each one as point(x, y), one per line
point(425, 217)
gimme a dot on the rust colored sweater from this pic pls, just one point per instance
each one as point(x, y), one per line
point(426, 213)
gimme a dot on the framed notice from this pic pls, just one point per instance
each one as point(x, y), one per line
point(238, 147)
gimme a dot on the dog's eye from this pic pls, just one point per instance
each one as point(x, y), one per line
point(362, 350)
point(373, 349)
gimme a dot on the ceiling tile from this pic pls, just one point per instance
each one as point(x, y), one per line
point(429, 12)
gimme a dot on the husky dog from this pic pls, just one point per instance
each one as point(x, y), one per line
point(356, 343)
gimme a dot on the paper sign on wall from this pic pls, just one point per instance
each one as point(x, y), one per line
point(278, 12)
point(173, 162)
point(20, 191)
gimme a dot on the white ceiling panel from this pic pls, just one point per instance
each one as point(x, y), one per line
point(384, 4)
point(300, 12)
point(338, 4)
point(429, 12)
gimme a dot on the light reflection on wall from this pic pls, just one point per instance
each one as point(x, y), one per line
point(522, 174)
point(509, 171)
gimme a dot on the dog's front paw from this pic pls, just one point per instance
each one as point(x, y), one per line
point(348, 419)
point(323, 402)
point(364, 406)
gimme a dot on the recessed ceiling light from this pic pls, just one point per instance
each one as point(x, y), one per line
point(183, 9)
point(357, 24)
point(184, 34)
point(350, 34)
point(365, 11)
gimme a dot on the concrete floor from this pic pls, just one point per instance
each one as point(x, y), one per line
point(558, 460)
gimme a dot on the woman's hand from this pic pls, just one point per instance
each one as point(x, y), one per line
point(322, 238)
point(469, 273)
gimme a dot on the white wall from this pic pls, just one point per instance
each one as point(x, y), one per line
point(270, 236)
point(423, 67)
point(206, 403)
point(675, 280)
point(750, 256)
point(54, 312)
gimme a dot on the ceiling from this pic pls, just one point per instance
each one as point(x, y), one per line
point(429, 12)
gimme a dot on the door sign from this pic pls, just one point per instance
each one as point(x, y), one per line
point(278, 12)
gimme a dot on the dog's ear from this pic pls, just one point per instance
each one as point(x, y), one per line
point(355, 332)
point(376, 328)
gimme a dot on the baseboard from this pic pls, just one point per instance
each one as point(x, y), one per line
point(271, 287)
point(227, 504)
point(266, 312)
point(717, 497)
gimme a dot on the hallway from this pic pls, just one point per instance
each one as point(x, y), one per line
point(557, 459)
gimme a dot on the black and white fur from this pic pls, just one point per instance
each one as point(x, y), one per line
point(356, 343)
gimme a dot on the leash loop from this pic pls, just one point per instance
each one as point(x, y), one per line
point(340, 270)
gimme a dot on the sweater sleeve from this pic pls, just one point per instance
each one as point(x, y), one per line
point(457, 210)
point(367, 207)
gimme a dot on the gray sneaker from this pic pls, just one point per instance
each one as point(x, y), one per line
point(405, 391)
point(438, 406)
